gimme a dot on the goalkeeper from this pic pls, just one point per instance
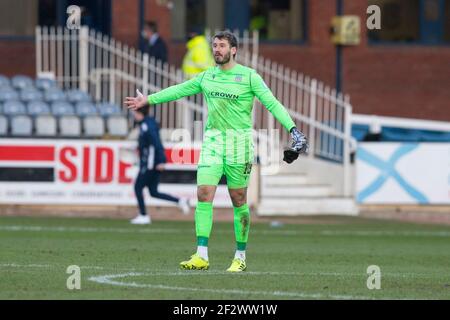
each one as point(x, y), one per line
point(227, 149)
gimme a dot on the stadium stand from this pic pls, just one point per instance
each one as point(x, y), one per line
point(85, 108)
point(54, 95)
point(108, 109)
point(36, 108)
point(3, 125)
point(4, 81)
point(13, 107)
point(8, 93)
point(62, 108)
point(45, 126)
point(21, 126)
point(70, 126)
point(21, 82)
point(94, 126)
point(30, 94)
point(39, 108)
point(117, 126)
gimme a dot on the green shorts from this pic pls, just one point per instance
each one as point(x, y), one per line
point(229, 154)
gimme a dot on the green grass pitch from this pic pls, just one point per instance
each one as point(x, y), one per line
point(318, 260)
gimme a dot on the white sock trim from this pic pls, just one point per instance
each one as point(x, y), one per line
point(202, 251)
point(240, 254)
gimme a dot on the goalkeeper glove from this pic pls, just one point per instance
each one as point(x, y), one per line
point(299, 145)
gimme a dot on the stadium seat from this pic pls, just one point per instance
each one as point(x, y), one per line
point(45, 126)
point(32, 94)
point(75, 95)
point(8, 94)
point(83, 109)
point(3, 126)
point(36, 108)
point(93, 126)
point(21, 82)
point(21, 125)
point(107, 109)
point(4, 81)
point(54, 94)
point(117, 126)
point(61, 108)
point(14, 107)
point(70, 126)
point(44, 83)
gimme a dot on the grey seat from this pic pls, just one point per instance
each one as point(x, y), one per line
point(85, 109)
point(21, 125)
point(4, 81)
point(70, 126)
point(61, 108)
point(8, 93)
point(94, 126)
point(75, 95)
point(14, 107)
point(21, 82)
point(36, 108)
point(107, 109)
point(28, 95)
point(117, 126)
point(3, 125)
point(54, 94)
point(44, 83)
point(45, 126)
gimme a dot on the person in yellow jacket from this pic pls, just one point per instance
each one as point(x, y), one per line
point(199, 55)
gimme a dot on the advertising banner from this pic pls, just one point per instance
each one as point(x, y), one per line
point(91, 172)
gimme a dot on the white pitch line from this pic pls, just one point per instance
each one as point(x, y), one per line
point(15, 265)
point(152, 272)
point(108, 279)
point(150, 230)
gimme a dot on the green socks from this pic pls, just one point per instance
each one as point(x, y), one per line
point(241, 225)
point(204, 219)
point(203, 222)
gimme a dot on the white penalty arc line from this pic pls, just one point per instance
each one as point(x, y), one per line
point(110, 280)
point(163, 273)
point(150, 230)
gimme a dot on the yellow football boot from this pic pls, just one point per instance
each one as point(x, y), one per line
point(237, 265)
point(195, 263)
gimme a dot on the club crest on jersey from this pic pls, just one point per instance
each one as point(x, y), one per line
point(238, 78)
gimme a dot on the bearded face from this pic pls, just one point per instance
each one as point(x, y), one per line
point(222, 51)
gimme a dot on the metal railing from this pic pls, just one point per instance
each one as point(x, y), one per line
point(110, 71)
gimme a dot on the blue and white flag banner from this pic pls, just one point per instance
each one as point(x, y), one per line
point(403, 173)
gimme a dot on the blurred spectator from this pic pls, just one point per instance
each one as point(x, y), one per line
point(199, 55)
point(154, 44)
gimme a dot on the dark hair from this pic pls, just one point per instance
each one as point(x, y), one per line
point(230, 37)
point(144, 110)
point(152, 25)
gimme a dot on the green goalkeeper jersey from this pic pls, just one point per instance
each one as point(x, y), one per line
point(229, 95)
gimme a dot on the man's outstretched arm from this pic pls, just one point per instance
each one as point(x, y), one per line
point(174, 92)
point(299, 140)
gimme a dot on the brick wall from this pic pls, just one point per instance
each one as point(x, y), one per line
point(394, 80)
point(125, 21)
point(390, 80)
point(17, 57)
